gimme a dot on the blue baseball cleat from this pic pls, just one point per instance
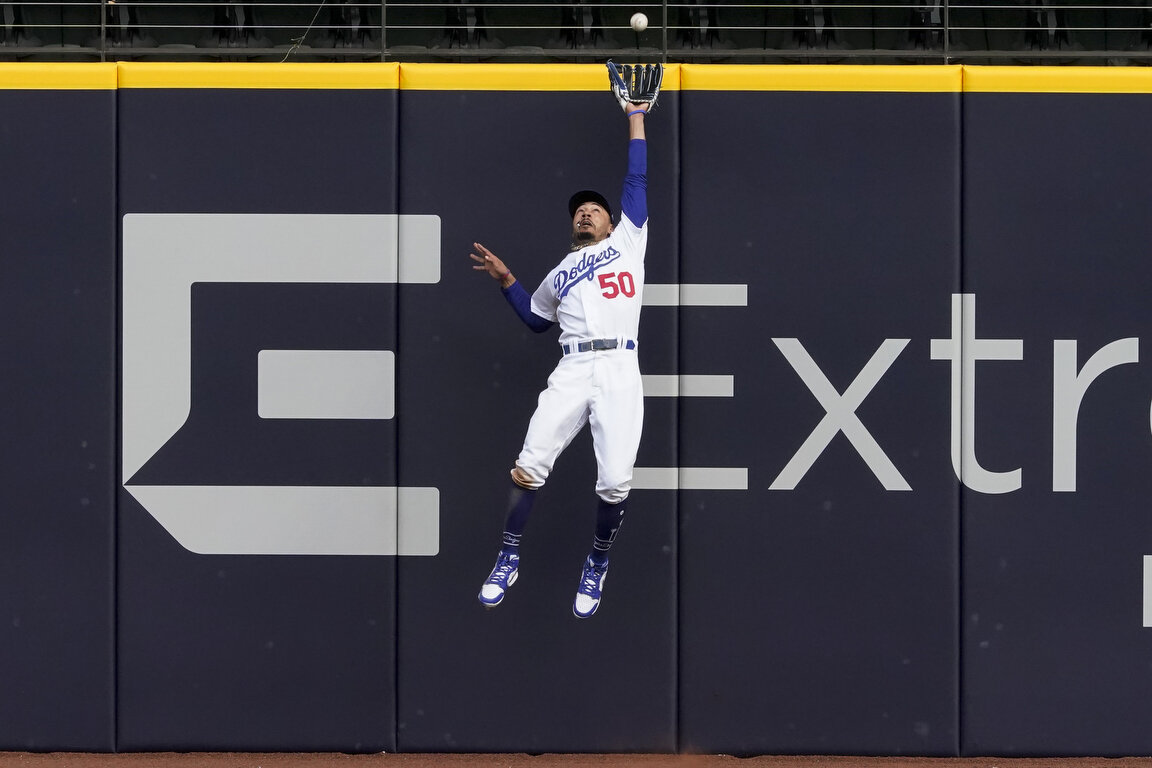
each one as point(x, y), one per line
point(502, 577)
point(591, 585)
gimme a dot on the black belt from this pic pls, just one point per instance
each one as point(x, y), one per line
point(596, 344)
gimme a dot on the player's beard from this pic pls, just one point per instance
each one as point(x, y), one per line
point(582, 238)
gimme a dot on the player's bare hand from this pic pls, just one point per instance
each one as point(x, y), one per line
point(488, 262)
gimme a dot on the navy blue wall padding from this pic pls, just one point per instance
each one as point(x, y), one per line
point(857, 600)
point(820, 619)
point(221, 652)
point(1056, 248)
point(58, 304)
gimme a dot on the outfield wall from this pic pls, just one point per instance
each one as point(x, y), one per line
point(259, 412)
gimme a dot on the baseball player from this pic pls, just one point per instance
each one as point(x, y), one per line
point(595, 294)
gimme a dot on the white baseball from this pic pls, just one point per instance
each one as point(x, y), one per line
point(639, 22)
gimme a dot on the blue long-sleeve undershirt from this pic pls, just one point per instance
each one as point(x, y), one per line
point(634, 198)
point(521, 301)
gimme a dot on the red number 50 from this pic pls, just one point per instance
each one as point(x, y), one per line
point(614, 285)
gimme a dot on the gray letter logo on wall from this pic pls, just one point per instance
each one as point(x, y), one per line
point(164, 255)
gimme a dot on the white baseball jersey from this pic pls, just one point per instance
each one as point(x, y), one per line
point(596, 292)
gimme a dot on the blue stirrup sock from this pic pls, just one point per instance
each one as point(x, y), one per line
point(520, 502)
point(608, 520)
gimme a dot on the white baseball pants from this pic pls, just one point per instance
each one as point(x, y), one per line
point(601, 388)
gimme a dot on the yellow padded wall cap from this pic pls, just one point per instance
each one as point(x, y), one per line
point(818, 77)
point(573, 77)
point(1057, 79)
point(336, 76)
point(57, 76)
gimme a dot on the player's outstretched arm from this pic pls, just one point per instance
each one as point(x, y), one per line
point(634, 196)
point(636, 114)
point(490, 263)
point(636, 88)
point(513, 291)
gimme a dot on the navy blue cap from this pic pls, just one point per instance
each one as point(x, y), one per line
point(587, 196)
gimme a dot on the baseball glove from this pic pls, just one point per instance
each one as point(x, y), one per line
point(635, 84)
